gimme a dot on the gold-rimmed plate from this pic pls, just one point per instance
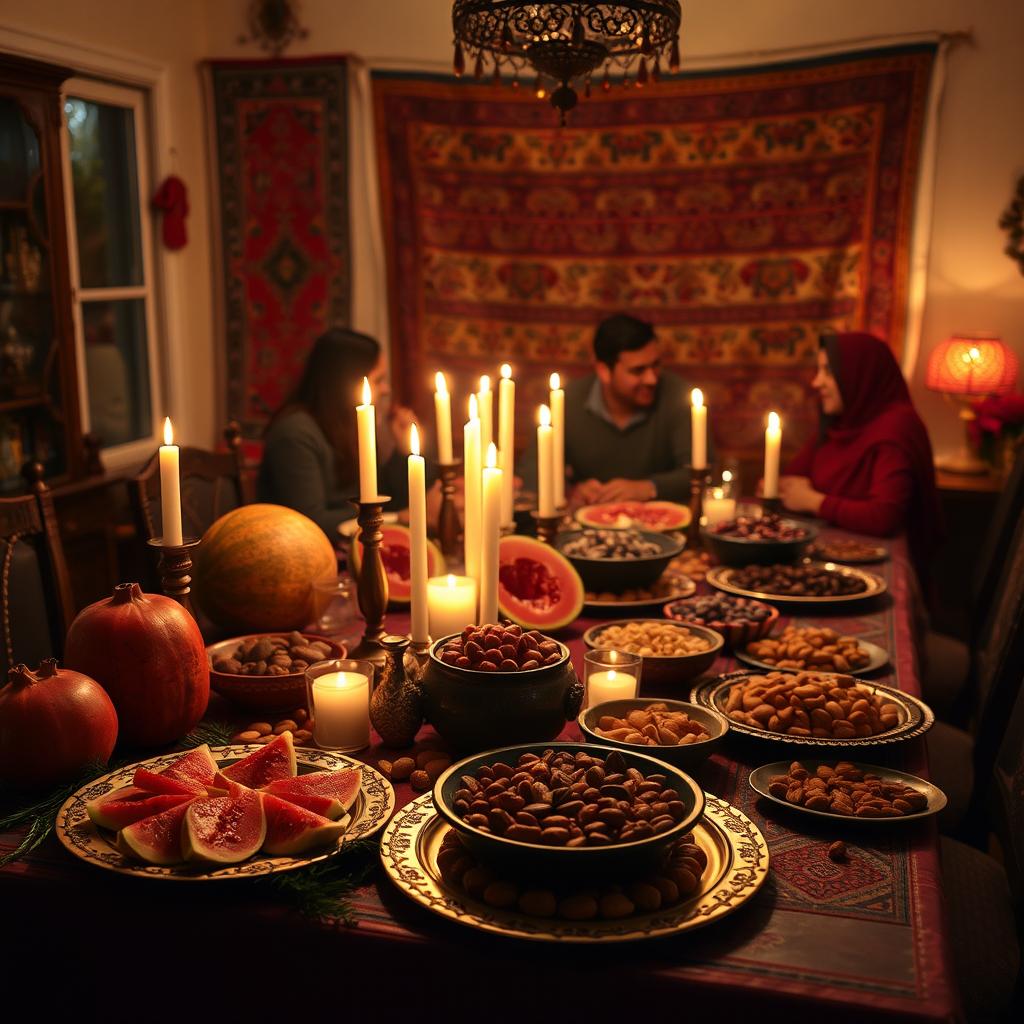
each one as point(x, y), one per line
point(832, 551)
point(721, 577)
point(760, 778)
point(877, 658)
point(916, 718)
point(97, 846)
point(737, 867)
point(679, 586)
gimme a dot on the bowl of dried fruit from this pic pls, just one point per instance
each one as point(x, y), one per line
point(671, 652)
point(740, 620)
point(671, 730)
point(568, 808)
point(266, 671)
point(617, 560)
point(763, 540)
point(496, 684)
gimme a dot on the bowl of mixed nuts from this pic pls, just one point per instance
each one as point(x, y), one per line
point(672, 730)
point(266, 671)
point(671, 651)
point(617, 560)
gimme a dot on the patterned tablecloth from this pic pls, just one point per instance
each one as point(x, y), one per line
point(862, 940)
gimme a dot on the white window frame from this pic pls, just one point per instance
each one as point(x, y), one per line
point(135, 99)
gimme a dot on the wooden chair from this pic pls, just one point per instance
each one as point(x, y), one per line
point(212, 483)
point(35, 595)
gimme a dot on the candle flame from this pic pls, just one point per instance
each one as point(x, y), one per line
point(773, 421)
point(168, 432)
point(440, 384)
point(366, 391)
point(474, 412)
point(612, 675)
point(492, 456)
point(414, 440)
point(452, 580)
point(555, 382)
point(717, 493)
point(545, 416)
point(506, 371)
point(697, 397)
point(726, 476)
point(485, 384)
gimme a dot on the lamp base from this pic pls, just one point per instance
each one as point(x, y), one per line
point(962, 461)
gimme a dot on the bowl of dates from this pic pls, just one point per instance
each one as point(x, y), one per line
point(496, 684)
point(764, 540)
point(617, 560)
point(741, 620)
point(267, 671)
point(575, 809)
point(671, 652)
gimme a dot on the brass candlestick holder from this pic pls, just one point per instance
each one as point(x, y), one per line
point(547, 526)
point(448, 525)
point(372, 583)
point(698, 481)
point(175, 568)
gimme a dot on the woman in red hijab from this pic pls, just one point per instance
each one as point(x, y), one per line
point(870, 469)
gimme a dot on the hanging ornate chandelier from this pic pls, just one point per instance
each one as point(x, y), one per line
point(567, 42)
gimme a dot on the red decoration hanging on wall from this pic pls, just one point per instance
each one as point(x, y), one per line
point(172, 199)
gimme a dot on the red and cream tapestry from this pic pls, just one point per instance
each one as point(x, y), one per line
point(741, 212)
point(282, 169)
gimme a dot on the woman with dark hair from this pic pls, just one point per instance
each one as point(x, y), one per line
point(310, 458)
point(870, 469)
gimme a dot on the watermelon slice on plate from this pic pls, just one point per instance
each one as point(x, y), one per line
point(156, 839)
point(330, 794)
point(292, 830)
point(130, 804)
point(191, 773)
point(274, 761)
point(224, 829)
point(160, 782)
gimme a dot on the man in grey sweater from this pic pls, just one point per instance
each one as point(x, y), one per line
point(627, 425)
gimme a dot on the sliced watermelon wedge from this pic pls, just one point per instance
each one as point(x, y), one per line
point(341, 786)
point(156, 839)
point(160, 782)
point(194, 769)
point(292, 830)
point(274, 761)
point(224, 829)
point(130, 804)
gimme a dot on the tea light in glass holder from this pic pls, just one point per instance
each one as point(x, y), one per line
point(718, 506)
point(339, 703)
point(611, 675)
point(451, 604)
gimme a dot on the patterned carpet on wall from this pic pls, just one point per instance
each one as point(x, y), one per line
point(742, 212)
point(282, 170)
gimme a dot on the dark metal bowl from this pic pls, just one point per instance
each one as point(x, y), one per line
point(741, 551)
point(614, 575)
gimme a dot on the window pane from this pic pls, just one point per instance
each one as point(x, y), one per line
point(117, 370)
point(19, 152)
point(106, 188)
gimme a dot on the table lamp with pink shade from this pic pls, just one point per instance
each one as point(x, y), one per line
point(967, 367)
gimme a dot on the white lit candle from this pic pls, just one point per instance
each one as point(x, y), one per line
point(341, 710)
point(170, 488)
point(698, 430)
point(419, 631)
point(545, 464)
point(506, 439)
point(366, 424)
point(471, 483)
point(485, 398)
point(452, 603)
point(718, 508)
point(772, 447)
point(490, 529)
point(443, 412)
point(557, 406)
point(610, 685)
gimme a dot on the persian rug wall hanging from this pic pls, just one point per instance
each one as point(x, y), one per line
point(742, 212)
point(282, 169)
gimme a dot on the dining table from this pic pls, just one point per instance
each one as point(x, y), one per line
point(860, 940)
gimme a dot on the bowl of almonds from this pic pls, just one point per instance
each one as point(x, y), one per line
point(671, 651)
point(672, 730)
point(266, 671)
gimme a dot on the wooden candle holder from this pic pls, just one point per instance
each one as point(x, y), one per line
point(448, 526)
point(698, 481)
point(175, 568)
point(547, 526)
point(372, 583)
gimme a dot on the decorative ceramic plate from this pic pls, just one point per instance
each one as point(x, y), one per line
point(916, 718)
point(721, 577)
point(680, 586)
point(877, 656)
point(96, 845)
point(868, 554)
point(936, 798)
point(737, 866)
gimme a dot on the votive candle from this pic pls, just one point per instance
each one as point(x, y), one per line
point(341, 710)
point(610, 685)
point(452, 602)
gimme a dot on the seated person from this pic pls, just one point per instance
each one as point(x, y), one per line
point(870, 468)
point(627, 425)
point(310, 457)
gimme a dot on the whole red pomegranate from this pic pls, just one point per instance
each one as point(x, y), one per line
point(53, 722)
point(147, 652)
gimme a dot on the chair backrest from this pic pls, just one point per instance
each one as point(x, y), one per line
point(35, 593)
point(212, 483)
